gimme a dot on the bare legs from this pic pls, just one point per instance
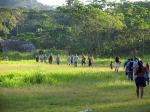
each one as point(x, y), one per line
point(116, 70)
point(138, 91)
point(142, 91)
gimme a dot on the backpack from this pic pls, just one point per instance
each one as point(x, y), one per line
point(131, 66)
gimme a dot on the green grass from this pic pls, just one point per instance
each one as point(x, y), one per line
point(35, 87)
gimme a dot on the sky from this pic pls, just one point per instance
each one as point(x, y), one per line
point(61, 2)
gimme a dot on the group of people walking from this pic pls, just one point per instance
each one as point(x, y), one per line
point(132, 66)
point(74, 60)
point(45, 58)
point(137, 71)
point(71, 60)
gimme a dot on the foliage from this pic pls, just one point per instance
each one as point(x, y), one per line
point(17, 56)
point(78, 28)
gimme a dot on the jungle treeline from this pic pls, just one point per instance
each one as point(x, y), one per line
point(100, 27)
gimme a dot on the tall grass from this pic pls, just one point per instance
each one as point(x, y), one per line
point(30, 55)
point(76, 77)
point(17, 55)
point(27, 73)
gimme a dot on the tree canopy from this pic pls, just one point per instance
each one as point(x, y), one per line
point(101, 28)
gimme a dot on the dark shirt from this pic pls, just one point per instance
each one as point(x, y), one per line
point(141, 72)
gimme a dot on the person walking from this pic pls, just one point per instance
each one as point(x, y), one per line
point(140, 80)
point(146, 75)
point(69, 60)
point(76, 59)
point(57, 60)
point(41, 57)
point(117, 63)
point(45, 58)
point(111, 65)
point(72, 59)
point(135, 67)
point(90, 60)
point(37, 58)
point(83, 62)
point(50, 59)
point(126, 67)
point(130, 70)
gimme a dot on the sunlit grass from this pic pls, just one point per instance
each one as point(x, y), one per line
point(27, 86)
point(31, 65)
point(39, 73)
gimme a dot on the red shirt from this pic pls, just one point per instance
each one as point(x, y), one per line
point(142, 72)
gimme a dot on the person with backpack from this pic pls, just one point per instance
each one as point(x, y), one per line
point(140, 80)
point(135, 67)
point(83, 62)
point(146, 75)
point(126, 67)
point(130, 70)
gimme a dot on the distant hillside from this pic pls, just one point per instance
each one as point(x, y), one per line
point(22, 3)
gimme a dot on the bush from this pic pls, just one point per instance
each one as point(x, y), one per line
point(29, 55)
point(17, 56)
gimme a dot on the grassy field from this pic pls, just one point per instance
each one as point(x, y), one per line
point(26, 86)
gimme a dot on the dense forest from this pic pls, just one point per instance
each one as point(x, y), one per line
point(101, 28)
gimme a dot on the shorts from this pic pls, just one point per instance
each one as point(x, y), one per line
point(83, 62)
point(140, 82)
point(116, 65)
